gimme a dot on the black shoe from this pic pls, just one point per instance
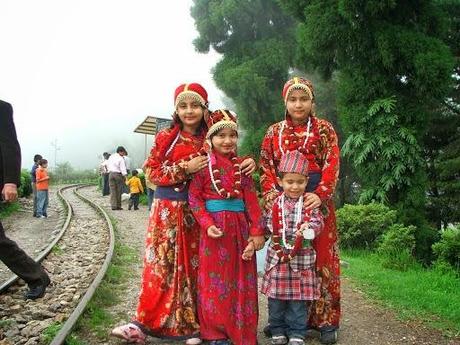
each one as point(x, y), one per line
point(129, 208)
point(328, 337)
point(267, 331)
point(136, 208)
point(119, 208)
point(39, 290)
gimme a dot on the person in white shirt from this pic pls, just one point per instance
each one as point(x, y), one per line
point(117, 175)
point(104, 172)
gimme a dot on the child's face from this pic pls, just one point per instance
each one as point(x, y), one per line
point(190, 112)
point(293, 184)
point(44, 166)
point(225, 140)
point(298, 105)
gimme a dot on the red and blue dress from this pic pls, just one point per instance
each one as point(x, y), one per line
point(227, 285)
point(167, 301)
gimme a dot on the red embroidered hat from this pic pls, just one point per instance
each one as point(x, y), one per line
point(294, 162)
point(298, 83)
point(192, 90)
point(219, 119)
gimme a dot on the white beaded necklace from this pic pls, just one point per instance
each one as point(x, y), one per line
point(297, 218)
point(280, 135)
point(173, 144)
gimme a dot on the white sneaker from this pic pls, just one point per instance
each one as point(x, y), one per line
point(193, 341)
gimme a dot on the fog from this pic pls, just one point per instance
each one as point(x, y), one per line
point(82, 75)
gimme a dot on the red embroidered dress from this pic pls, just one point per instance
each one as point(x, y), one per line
point(167, 301)
point(322, 152)
point(227, 285)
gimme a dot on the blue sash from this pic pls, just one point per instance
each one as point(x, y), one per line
point(235, 205)
point(168, 193)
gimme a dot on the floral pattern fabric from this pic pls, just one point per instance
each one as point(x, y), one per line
point(227, 285)
point(167, 301)
point(322, 152)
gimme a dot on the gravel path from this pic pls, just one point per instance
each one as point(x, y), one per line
point(30, 233)
point(363, 322)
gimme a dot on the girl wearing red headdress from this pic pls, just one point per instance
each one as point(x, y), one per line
point(225, 204)
point(167, 301)
point(316, 139)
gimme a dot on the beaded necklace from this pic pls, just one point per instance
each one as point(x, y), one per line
point(216, 179)
point(280, 136)
point(280, 222)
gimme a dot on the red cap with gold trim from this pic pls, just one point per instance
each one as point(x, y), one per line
point(192, 90)
point(298, 83)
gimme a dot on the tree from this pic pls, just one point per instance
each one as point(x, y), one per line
point(393, 68)
point(257, 42)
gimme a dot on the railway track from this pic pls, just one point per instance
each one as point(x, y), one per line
point(76, 260)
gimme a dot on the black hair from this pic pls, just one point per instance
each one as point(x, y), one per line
point(42, 161)
point(134, 172)
point(37, 157)
point(121, 149)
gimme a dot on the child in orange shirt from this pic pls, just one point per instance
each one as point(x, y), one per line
point(42, 180)
point(135, 189)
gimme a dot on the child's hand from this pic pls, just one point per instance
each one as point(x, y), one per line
point(248, 166)
point(259, 241)
point(196, 164)
point(307, 232)
point(248, 252)
point(214, 232)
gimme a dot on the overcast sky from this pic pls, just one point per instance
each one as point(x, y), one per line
point(85, 73)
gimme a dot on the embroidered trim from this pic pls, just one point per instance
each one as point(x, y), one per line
point(303, 148)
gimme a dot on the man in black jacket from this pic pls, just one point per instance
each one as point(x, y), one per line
point(10, 168)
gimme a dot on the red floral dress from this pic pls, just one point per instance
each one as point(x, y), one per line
point(167, 301)
point(322, 152)
point(227, 285)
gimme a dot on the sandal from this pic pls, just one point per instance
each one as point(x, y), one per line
point(129, 332)
point(193, 341)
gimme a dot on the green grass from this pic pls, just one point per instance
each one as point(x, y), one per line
point(96, 319)
point(428, 294)
point(7, 209)
point(52, 330)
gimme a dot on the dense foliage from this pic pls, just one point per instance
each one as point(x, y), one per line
point(256, 40)
point(361, 226)
point(448, 248)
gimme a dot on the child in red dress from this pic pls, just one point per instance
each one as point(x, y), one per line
point(225, 205)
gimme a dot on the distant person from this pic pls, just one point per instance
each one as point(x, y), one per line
point(290, 281)
point(42, 184)
point(104, 172)
point(149, 184)
point(127, 159)
point(135, 190)
point(37, 157)
point(117, 176)
point(10, 168)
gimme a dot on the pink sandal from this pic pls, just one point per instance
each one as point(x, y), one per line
point(129, 332)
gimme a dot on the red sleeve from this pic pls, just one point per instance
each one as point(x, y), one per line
point(267, 167)
point(253, 210)
point(197, 202)
point(330, 171)
point(164, 172)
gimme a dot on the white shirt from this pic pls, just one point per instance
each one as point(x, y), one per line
point(116, 163)
point(103, 168)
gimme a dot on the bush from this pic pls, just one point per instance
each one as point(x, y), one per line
point(448, 248)
point(25, 189)
point(398, 238)
point(425, 237)
point(360, 226)
point(397, 247)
